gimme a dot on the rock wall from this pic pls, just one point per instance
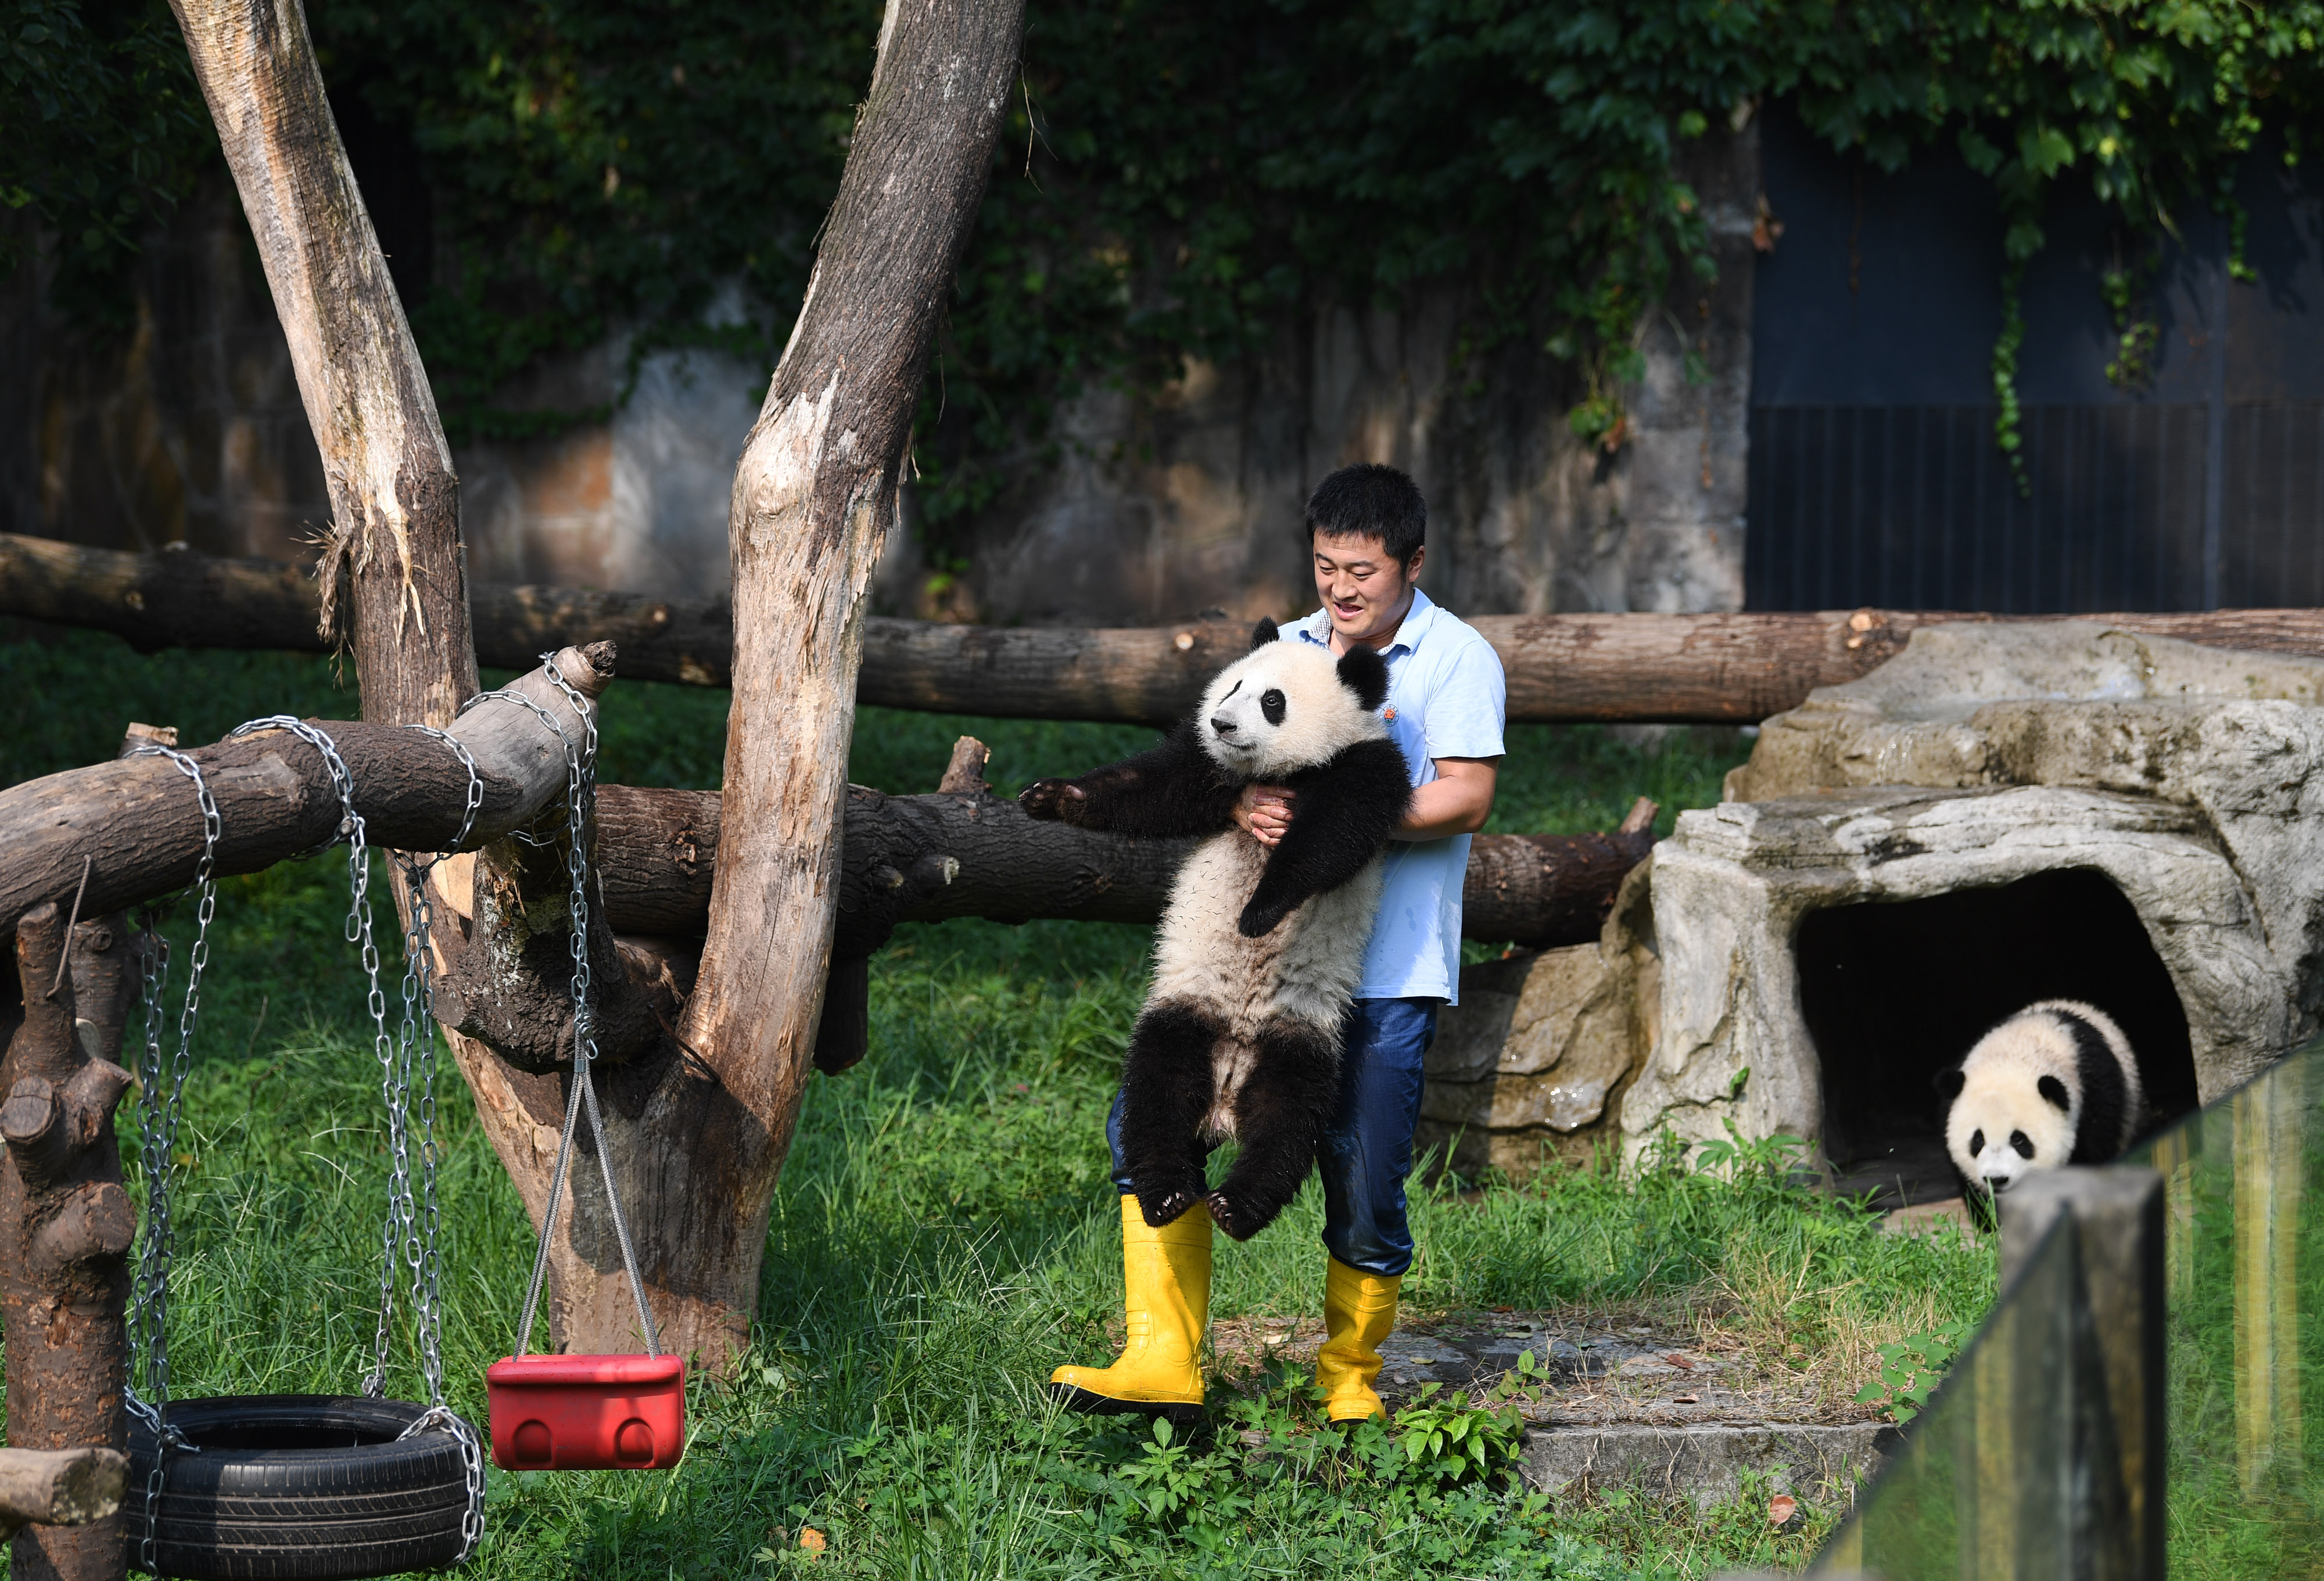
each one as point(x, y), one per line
point(186, 425)
point(1193, 498)
point(1531, 1064)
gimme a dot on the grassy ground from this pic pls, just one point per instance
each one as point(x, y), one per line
point(942, 1234)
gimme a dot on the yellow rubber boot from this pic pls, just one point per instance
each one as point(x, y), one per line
point(1358, 1313)
point(1165, 1289)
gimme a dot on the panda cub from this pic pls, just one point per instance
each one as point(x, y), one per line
point(2055, 1083)
point(1259, 950)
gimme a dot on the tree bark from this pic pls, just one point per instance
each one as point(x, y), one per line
point(1627, 669)
point(814, 497)
point(66, 1226)
point(395, 504)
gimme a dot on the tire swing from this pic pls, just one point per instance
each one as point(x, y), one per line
point(303, 1487)
point(584, 1412)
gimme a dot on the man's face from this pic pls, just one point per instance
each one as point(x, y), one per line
point(1365, 592)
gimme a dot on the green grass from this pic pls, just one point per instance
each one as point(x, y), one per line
point(943, 1234)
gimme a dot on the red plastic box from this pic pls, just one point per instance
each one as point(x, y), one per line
point(587, 1413)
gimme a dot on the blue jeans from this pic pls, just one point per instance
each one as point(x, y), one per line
point(1367, 1154)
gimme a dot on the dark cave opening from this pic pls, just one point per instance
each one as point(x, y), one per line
point(1895, 991)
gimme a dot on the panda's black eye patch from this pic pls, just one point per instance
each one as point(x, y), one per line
point(1976, 1143)
point(1270, 703)
point(2025, 1148)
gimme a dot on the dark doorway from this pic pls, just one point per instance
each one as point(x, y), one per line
point(1895, 992)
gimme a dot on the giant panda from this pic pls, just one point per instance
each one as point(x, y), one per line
point(1259, 950)
point(2055, 1083)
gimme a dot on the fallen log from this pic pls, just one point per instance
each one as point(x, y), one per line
point(1635, 669)
point(133, 828)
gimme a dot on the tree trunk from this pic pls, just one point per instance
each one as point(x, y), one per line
point(814, 497)
point(395, 505)
point(1633, 668)
point(66, 1226)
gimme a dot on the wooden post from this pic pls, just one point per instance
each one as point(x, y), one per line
point(2269, 1183)
point(814, 498)
point(2116, 1219)
point(65, 1230)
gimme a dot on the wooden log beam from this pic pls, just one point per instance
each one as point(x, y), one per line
point(659, 849)
point(1633, 668)
point(59, 1487)
point(135, 827)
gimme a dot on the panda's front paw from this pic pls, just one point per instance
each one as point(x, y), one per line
point(1054, 801)
point(1259, 920)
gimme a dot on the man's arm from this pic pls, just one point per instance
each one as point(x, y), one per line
point(1458, 801)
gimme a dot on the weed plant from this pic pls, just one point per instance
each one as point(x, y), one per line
point(943, 1235)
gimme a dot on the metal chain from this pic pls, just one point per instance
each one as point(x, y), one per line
point(580, 787)
point(399, 1226)
point(161, 1103)
point(411, 1228)
point(408, 1235)
point(415, 1045)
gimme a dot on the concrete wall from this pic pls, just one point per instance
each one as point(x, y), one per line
point(188, 425)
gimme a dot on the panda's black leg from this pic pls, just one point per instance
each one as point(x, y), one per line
point(1165, 1090)
point(1280, 1113)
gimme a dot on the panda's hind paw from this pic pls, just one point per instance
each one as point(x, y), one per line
point(1165, 1208)
point(1237, 1223)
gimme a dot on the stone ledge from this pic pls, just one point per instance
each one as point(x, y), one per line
point(1707, 1462)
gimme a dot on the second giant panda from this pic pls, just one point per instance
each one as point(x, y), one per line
point(1260, 952)
point(2055, 1083)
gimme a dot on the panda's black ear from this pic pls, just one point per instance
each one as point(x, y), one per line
point(1949, 1082)
point(1265, 632)
point(1365, 673)
point(2051, 1087)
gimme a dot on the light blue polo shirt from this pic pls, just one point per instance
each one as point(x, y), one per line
point(1446, 698)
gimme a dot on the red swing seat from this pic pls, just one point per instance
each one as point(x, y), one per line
point(587, 1413)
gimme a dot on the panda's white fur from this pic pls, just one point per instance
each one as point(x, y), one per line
point(2001, 1126)
point(1306, 967)
point(1320, 718)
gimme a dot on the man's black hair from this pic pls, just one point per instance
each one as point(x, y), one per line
point(1373, 501)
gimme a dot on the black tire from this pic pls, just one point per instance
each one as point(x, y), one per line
point(298, 1488)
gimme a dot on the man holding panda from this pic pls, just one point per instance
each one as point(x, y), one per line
point(1446, 709)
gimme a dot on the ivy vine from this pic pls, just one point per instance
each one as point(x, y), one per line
point(1181, 178)
point(101, 134)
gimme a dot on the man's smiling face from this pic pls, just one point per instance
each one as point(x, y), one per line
point(1365, 592)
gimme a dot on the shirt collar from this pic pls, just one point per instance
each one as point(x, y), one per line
point(1417, 620)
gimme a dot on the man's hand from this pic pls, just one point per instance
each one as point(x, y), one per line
point(1265, 810)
